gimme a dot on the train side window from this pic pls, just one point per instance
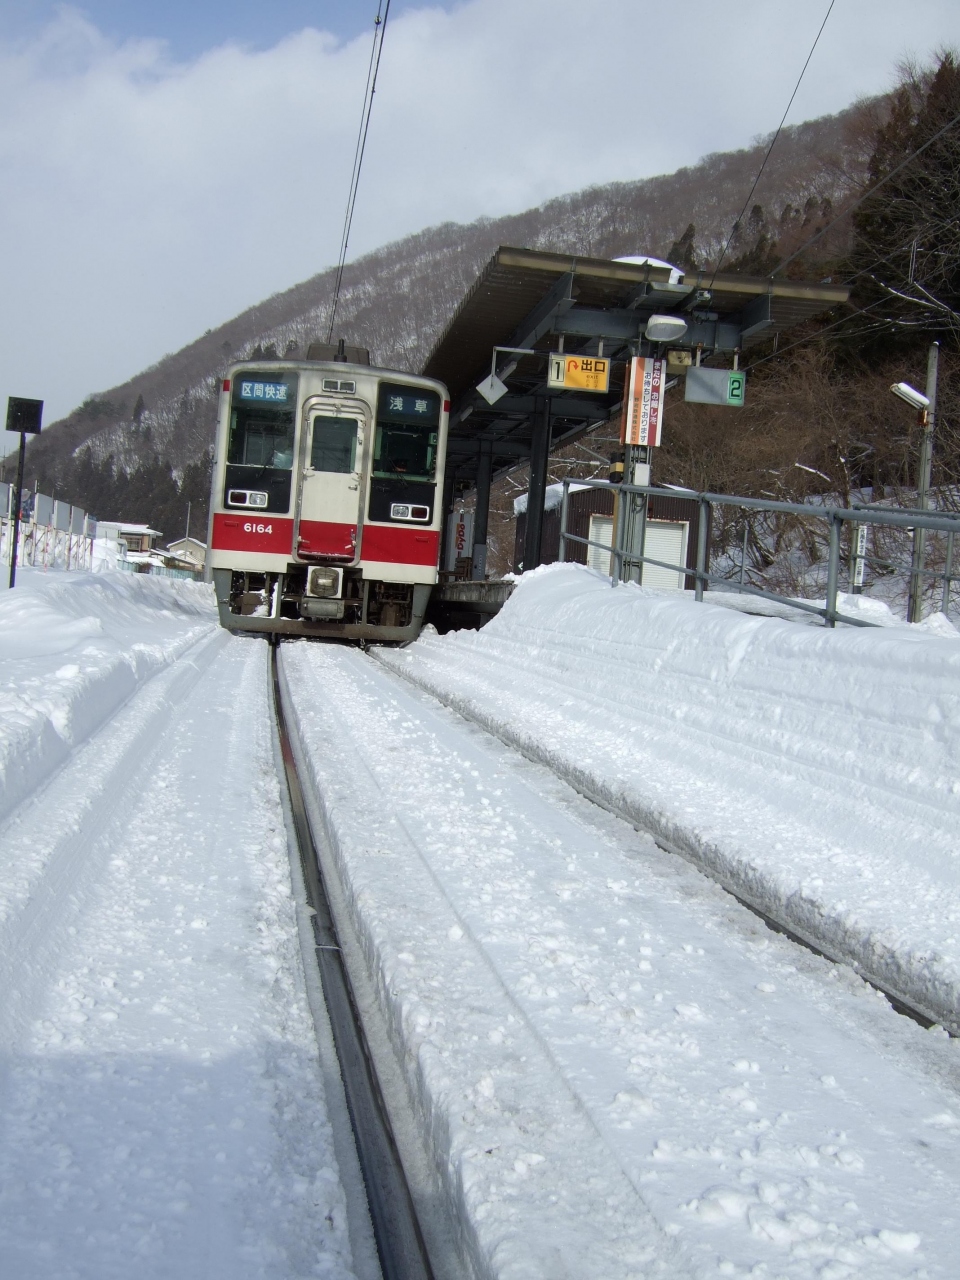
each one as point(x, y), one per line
point(334, 444)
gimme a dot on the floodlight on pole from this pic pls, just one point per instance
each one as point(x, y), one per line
point(916, 399)
point(926, 406)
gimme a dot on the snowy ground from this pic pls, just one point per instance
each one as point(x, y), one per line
point(816, 772)
point(162, 1108)
point(622, 1072)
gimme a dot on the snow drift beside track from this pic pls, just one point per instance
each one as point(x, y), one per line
point(74, 647)
point(815, 772)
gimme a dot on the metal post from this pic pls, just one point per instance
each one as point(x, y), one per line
point(563, 521)
point(833, 570)
point(617, 542)
point(482, 513)
point(642, 456)
point(703, 520)
point(743, 550)
point(536, 493)
point(17, 498)
point(947, 570)
point(915, 610)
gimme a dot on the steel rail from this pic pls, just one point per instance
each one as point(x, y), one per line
point(399, 1240)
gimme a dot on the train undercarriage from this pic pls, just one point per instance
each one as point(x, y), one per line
point(301, 601)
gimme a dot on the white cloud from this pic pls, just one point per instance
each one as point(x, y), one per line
point(146, 200)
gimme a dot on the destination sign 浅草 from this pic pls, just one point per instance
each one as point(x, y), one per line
point(580, 373)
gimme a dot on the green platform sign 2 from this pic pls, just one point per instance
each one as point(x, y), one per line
point(736, 387)
point(715, 386)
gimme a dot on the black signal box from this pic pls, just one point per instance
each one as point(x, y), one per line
point(24, 415)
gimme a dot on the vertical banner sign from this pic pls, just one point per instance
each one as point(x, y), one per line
point(643, 402)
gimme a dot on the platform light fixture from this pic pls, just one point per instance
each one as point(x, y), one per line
point(664, 328)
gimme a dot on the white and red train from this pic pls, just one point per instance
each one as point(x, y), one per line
point(326, 506)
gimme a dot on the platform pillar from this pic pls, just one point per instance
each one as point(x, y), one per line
point(481, 515)
point(536, 493)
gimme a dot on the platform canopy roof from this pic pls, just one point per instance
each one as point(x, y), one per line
point(531, 299)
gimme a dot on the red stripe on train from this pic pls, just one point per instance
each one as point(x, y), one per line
point(265, 535)
point(399, 544)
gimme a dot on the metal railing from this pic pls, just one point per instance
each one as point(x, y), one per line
point(627, 552)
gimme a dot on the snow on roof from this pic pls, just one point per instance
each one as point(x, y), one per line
point(676, 273)
point(551, 498)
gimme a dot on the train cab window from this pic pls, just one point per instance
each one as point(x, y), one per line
point(256, 441)
point(334, 444)
point(407, 451)
point(262, 439)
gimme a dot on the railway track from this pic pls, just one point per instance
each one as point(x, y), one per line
point(401, 1248)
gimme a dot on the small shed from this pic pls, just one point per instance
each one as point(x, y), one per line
point(671, 534)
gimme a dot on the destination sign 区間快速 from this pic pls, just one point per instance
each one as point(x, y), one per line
point(277, 392)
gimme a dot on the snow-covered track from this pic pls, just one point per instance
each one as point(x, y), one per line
point(400, 1244)
point(673, 839)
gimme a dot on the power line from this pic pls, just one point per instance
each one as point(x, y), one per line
point(773, 142)
point(379, 31)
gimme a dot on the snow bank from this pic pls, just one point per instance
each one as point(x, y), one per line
point(73, 648)
point(619, 1072)
point(814, 772)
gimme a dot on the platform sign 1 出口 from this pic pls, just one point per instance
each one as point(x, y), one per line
point(579, 373)
point(715, 386)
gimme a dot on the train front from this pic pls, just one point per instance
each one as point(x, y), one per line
point(326, 503)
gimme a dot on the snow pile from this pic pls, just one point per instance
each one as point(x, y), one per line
point(815, 772)
point(73, 648)
point(619, 1071)
point(164, 1111)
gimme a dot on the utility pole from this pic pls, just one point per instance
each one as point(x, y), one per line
point(928, 422)
point(187, 534)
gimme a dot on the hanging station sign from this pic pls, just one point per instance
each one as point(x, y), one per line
point(578, 373)
point(643, 401)
point(716, 386)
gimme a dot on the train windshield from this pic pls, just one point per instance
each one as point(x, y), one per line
point(261, 438)
point(408, 421)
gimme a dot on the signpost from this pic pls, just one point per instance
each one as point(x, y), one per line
point(23, 416)
point(580, 373)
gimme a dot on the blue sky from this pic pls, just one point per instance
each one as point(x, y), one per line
point(127, 227)
point(190, 27)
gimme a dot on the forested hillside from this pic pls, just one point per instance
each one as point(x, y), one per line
point(140, 450)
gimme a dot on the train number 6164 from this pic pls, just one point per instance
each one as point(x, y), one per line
point(251, 527)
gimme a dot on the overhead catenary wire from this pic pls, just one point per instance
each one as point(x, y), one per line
point(379, 31)
point(773, 142)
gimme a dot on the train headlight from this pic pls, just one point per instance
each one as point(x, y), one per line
point(323, 580)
